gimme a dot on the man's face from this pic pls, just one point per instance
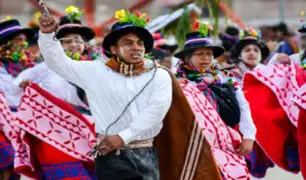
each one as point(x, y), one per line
point(130, 48)
point(73, 43)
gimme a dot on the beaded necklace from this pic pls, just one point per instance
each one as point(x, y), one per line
point(15, 58)
point(89, 56)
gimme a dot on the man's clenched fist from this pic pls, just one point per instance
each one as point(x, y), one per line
point(47, 24)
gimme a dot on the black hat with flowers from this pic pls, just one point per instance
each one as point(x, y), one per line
point(128, 23)
point(71, 24)
point(11, 28)
point(200, 39)
point(230, 37)
point(249, 36)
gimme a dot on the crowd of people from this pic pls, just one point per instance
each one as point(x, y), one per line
point(139, 107)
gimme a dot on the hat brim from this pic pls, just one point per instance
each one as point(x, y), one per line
point(170, 48)
point(113, 37)
point(223, 37)
point(235, 52)
point(85, 32)
point(28, 32)
point(217, 50)
point(302, 30)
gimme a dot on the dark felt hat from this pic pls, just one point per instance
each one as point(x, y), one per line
point(120, 29)
point(12, 28)
point(196, 40)
point(74, 26)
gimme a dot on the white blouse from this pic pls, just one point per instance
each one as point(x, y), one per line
point(6, 81)
point(49, 81)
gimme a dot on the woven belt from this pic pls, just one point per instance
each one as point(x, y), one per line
point(139, 144)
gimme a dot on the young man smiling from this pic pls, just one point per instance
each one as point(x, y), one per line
point(129, 97)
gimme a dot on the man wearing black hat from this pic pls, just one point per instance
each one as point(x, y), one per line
point(129, 97)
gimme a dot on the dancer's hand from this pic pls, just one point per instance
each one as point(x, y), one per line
point(109, 144)
point(246, 147)
point(47, 24)
point(24, 84)
point(283, 58)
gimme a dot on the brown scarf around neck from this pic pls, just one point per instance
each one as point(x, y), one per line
point(129, 69)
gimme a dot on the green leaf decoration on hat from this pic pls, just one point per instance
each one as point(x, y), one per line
point(249, 32)
point(73, 13)
point(204, 28)
point(138, 19)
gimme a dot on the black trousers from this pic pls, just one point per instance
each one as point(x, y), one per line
point(130, 164)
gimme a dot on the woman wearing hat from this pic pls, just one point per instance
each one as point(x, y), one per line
point(14, 58)
point(197, 70)
point(73, 37)
point(249, 53)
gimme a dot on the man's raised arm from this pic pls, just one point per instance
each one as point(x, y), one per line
point(55, 57)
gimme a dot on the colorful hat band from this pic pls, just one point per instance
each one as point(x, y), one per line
point(249, 38)
point(231, 37)
point(9, 30)
point(197, 41)
point(124, 26)
point(69, 26)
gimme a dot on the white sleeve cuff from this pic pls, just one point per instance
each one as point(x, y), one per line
point(47, 34)
point(127, 135)
point(249, 135)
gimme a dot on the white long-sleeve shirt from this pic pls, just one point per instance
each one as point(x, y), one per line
point(49, 81)
point(108, 93)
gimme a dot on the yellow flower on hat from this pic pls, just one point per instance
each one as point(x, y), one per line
point(7, 18)
point(302, 13)
point(36, 17)
point(254, 33)
point(143, 15)
point(120, 14)
point(72, 9)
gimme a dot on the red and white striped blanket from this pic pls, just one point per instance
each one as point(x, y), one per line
point(223, 139)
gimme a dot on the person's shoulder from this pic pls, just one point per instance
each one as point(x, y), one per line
point(162, 74)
